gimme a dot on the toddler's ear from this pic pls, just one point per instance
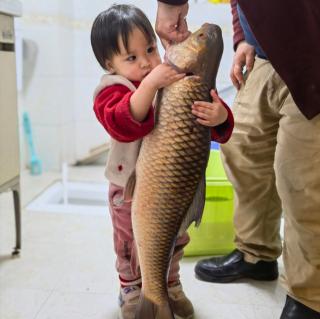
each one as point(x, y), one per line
point(109, 67)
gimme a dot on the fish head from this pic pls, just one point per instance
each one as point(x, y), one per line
point(199, 54)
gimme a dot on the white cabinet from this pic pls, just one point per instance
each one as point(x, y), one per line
point(9, 140)
point(9, 136)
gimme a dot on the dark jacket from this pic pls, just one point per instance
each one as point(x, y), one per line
point(289, 34)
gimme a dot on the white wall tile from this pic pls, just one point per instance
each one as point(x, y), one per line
point(83, 98)
point(47, 8)
point(85, 63)
point(48, 141)
point(47, 50)
point(49, 100)
point(89, 135)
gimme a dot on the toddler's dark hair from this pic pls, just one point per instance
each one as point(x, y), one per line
point(117, 21)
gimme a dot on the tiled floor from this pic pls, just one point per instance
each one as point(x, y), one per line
point(66, 268)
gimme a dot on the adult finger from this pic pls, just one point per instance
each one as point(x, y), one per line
point(165, 43)
point(237, 70)
point(249, 61)
point(234, 79)
point(165, 29)
point(171, 33)
point(182, 29)
point(177, 36)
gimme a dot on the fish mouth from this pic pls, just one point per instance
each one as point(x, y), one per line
point(188, 74)
point(175, 67)
point(212, 31)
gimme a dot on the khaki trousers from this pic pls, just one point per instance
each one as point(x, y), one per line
point(273, 162)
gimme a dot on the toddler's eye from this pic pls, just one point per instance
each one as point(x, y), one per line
point(131, 58)
point(150, 49)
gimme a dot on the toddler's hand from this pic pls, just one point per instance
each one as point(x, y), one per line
point(210, 114)
point(163, 75)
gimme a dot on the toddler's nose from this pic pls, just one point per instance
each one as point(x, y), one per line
point(145, 64)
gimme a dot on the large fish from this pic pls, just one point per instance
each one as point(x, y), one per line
point(170, 174)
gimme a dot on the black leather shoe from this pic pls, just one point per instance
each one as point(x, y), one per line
point(294, 309)
point(233, 266)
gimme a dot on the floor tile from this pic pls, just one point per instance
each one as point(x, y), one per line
point(79, 306)
point(21, 303)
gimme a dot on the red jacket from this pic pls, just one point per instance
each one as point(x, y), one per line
point(237, 30)
point(112, 109)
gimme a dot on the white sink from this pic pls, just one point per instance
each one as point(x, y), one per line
point(11, 7)
point(74, 198)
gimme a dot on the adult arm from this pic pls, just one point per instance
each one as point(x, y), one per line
point(238, 34)
point(244, 52)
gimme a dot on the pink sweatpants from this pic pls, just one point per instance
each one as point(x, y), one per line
point(127, 262)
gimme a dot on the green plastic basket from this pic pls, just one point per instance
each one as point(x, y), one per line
point(215, 234)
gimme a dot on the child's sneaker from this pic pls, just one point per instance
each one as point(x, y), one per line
point(180, 304)
point(128, 301)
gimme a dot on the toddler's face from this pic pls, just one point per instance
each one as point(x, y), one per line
point(137, 63)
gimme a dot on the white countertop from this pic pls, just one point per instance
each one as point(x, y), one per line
point(11, 7)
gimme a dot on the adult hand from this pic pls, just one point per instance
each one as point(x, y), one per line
point(244, 56)
point(171, 23)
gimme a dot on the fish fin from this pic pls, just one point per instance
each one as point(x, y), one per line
point(148, 310)
point(129, 188)
point(196, 208)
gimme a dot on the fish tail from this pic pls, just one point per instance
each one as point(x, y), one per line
point(148, 310)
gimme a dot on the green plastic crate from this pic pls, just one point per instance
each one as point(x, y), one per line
point(215, 234)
